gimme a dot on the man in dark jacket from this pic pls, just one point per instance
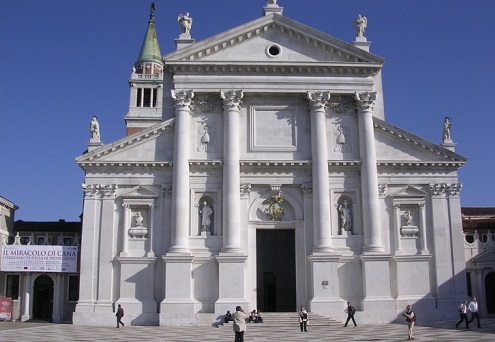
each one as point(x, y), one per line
point(350, 314)
point(119, 314)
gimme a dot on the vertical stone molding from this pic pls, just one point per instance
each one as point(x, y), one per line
point(369, 175)
point(180, 186)
point(318, 102)
point(422, 228)
point(397, 228)
point(231, 171)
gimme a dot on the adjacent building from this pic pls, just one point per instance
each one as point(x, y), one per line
point(258, 170)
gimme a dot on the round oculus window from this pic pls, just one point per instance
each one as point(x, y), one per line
point(273, 50)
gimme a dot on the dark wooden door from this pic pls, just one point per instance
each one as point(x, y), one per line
point(276, 270)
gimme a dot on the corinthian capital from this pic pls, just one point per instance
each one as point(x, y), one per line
point(365, 101)
point(232, 99)
point(318, 100)
point(182, 99)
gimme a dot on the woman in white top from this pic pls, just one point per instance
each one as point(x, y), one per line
point(463, 315)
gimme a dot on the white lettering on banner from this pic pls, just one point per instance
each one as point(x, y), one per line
point(32, 258)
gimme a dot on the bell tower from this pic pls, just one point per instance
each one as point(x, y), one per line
point(146, 83)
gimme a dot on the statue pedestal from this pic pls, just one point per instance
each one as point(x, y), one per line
point(205, 234)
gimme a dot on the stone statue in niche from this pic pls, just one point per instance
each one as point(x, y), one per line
point(409, 229)
point(138, 231)
point(345, 217)
point(206, 214)
point(139, 219)
point(360, 23)
point(185, 23)
point(94, 129)
point(205, 139)
point(408, 217)
point(447, 126)
point(340, 144)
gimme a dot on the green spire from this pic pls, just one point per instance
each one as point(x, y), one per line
point(150, 50)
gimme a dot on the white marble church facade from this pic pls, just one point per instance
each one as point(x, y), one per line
point(258, 170)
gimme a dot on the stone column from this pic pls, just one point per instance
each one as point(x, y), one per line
point(321, 194)
point(125, 230)
point(231, 171)
point(180, 185)
point(231, 260)
point(369, 174)
point(27, 298)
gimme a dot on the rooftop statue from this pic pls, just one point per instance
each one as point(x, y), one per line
point(94, 129)
point(360, 23)
point(185, 22)
point(447, 126)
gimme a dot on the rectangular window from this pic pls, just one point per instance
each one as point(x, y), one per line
point(12, 288)
point(138, 97)
point(67, 241)
point(40, 240)
point(73, 293)
point(24, 240)
point(154, 98)
point(147, 97)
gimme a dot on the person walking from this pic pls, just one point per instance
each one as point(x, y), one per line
point(303, 319)
point(410, 318)
point(463, 315)
point(119, 314)
point(239, 326)
point(350, 314)
point(473, 307)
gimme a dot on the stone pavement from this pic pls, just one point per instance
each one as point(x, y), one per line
point(435, 331)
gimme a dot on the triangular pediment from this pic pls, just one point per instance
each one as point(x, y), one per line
point(408, 192)
point(140, 192)
point(153, 145)
point(395, 146)
point(487, 257)
point(299, 46)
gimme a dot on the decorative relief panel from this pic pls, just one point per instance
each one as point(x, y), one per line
point(274, 128)
point(342, 139)
point(342, 104)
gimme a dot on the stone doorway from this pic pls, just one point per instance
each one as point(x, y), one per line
point(490, 293)
point(43, 298)
point(276, 270)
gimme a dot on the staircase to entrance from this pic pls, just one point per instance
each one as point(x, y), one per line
point(289, 319)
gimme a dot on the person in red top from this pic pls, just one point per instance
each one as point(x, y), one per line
point(119, 314)
point(410, 318)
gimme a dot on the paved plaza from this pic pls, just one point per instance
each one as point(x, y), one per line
point(435, 331)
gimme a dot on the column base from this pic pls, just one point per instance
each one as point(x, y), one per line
point(25, 318)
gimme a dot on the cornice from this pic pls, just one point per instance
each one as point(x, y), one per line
point(302, 68)
point(454, 159)
point(144, 135)
point(8, 204)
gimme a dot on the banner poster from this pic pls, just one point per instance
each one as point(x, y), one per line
point(5, 309)
point(32, 258)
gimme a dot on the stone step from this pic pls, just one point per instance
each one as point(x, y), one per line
point(290, 319)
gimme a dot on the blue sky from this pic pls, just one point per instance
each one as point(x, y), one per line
point(65, 61)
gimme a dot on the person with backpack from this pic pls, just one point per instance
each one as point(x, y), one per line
point(119, 314)
point(303, 319)
point(350, 314)
point(410, 319)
